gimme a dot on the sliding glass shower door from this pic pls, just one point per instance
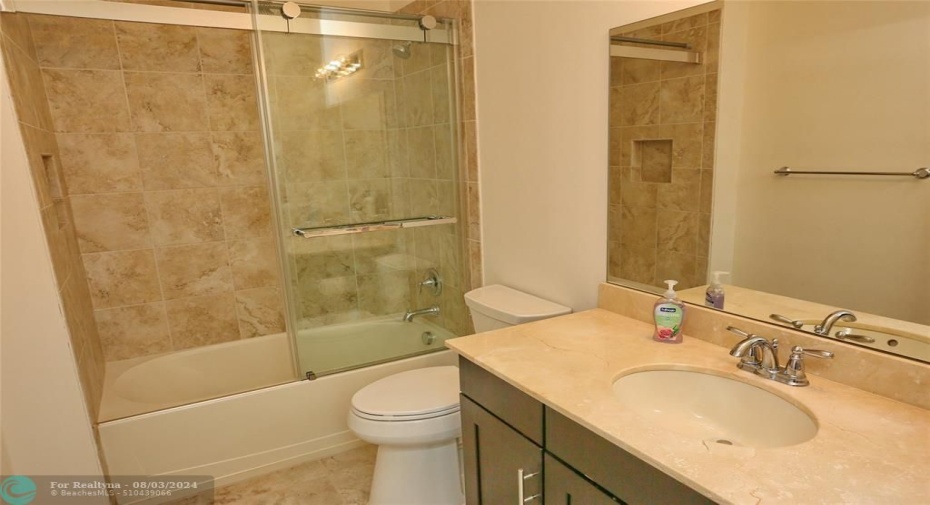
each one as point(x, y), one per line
point(361, 119)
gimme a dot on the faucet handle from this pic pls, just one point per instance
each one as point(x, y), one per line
point(793, 374)
point(817, 353)
point(744, 334)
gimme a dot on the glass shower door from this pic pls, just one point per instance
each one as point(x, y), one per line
point(362, 132)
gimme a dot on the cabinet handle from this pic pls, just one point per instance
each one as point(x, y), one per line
point(521, 478)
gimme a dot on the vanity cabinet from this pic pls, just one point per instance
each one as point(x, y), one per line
point(510, 440)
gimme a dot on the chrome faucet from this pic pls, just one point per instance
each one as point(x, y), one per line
point(410, 314)
point(760, 356)
point(824, 328)
point(757, 355)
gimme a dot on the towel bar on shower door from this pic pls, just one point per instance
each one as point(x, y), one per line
point(345, 229)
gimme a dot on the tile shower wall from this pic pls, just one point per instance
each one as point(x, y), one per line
point(662, 124)
point(376, 145)
point(161, 151)
point(36, 125)
point(461, 10)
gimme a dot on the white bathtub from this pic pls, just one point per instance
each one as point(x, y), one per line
point(237, 436)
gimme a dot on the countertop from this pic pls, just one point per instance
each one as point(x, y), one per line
point(869, 449)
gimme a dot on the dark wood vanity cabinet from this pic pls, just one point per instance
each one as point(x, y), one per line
point(506, 435)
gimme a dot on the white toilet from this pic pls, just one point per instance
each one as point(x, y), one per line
point(414, 419)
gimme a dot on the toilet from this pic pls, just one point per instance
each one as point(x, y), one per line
point(413, 416)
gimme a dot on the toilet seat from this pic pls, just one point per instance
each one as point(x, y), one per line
point(424, 393)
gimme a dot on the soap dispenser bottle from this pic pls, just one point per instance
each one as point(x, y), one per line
point(669, 315)
point(713, 297)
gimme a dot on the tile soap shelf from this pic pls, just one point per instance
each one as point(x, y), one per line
point(346, 229)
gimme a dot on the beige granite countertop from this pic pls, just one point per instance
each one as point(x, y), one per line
point(868, 450)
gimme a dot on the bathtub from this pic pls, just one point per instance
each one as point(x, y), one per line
point(237, 436)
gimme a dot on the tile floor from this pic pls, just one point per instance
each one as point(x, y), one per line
point(343, 479)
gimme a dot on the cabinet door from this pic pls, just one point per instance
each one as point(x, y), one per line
point(499, 462)
point(565, 487)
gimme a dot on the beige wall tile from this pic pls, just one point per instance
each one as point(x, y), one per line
point(87, 101)
point(19, 74)
point(654, 158)
point(708, 144)
point(158, 47)
point(471, 150)
point(424, 197)
point(99, 163)
point(636, 71)
point(317, 203)
point(16, 27)
point(176, 160)
point(225, 51)
point(130, 332)
point(366, 154)
point(682, 100)
point(369, 200)
point(302, 103)
point(640, 104)
point(446, 157)
point(246, 212)
point(641, 195)
point(254, 263)
point(111, 222)
point(202, 320)
point(239, 158)
point(65, 42)
point(184, 216)
point(710, 97)
point(418, 109)
point(684, 192)
point(677, 231)
point(165, 102)
point(369, 105)
point(687, 145)
point(317, 155)
point(707, 191)
point(231, 102)
point(122, 278)
point(194, 270)
point(386, 292)
point(301, 58)
point(260, 312)
point(703, 236)
point(441, 94)
point(421, 153)
point(468, 89)
point(675, 266)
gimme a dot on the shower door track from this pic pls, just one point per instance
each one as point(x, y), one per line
point(119, 11)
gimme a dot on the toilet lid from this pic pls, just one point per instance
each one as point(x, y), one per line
point(416, 394)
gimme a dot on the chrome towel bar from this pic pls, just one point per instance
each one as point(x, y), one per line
point(920, 173)
point(346, 229)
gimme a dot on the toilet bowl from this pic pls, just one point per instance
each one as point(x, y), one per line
point(414, 419)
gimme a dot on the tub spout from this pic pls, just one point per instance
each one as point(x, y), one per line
point(410, 314)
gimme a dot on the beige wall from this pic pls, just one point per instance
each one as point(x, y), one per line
point(542, 86)
point(45, 162)
point(662, 129)
point(46, 421)
point(831, 87)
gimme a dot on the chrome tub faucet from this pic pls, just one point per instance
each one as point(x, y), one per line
point(410, 314)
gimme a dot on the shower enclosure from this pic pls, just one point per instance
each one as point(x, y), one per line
point(362, 134)
point(260, 194)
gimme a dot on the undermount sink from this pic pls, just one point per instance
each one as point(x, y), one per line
point(714, 409)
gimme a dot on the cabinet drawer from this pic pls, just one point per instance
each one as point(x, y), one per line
point(511, 405)
point(619, 472)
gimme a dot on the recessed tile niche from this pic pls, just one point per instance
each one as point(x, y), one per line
point(654, 158)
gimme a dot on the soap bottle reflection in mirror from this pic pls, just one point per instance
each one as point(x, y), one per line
point(669, 316)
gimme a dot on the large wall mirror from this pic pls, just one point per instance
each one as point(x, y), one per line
point(707, 104)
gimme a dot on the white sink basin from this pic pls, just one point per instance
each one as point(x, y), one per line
point(714, 409)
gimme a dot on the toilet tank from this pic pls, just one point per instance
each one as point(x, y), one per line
point(496, 306)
